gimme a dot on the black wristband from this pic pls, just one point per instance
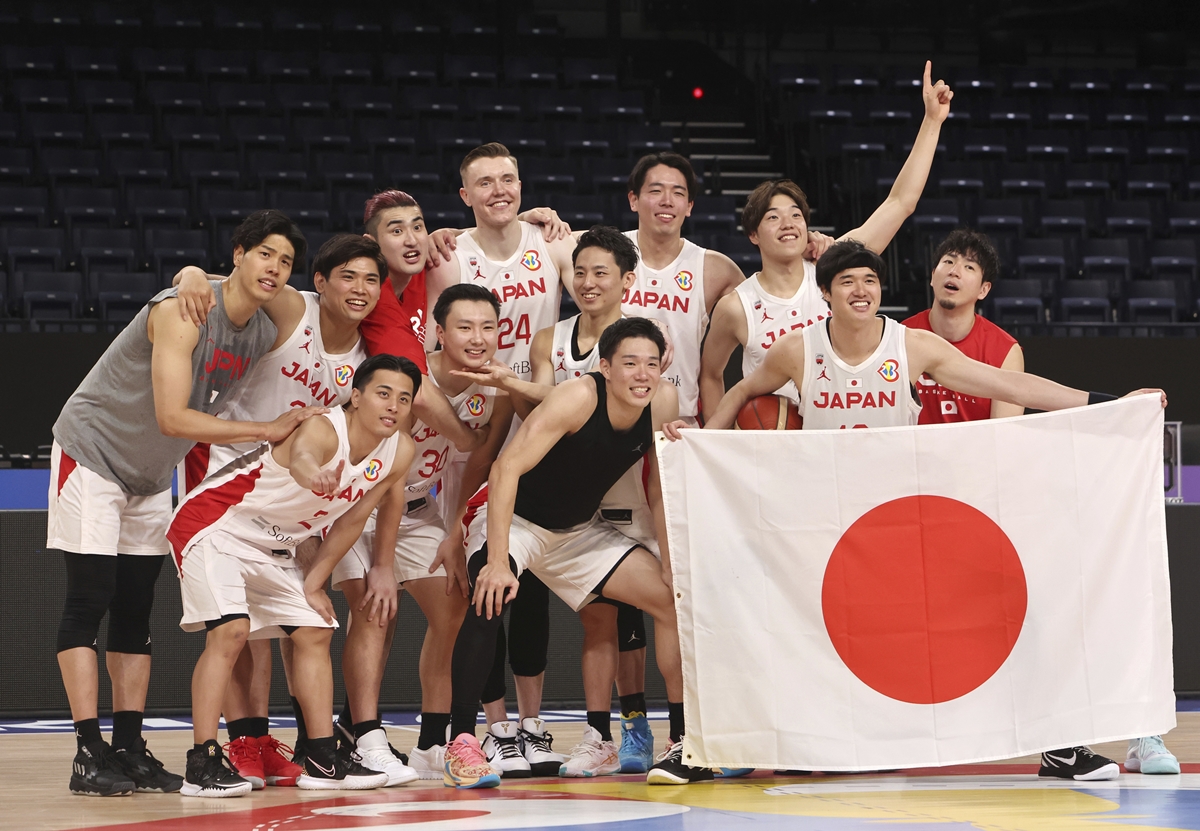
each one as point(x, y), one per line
point(1100, 397)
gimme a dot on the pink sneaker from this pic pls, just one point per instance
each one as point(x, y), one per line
point(466, 766)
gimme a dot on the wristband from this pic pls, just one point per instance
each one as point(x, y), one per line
point(1100, 397)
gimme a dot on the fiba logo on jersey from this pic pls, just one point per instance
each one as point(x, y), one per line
point(889, 370)
point(684, 280)
point(475, 404)
point(343, 374)
point(530, 260)
point(371, 471)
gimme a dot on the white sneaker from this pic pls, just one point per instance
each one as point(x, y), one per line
point(593, 756)
point(535, 747)
point(1150, 755)
point(377, 755)
point(429, 763)
point(503, 752)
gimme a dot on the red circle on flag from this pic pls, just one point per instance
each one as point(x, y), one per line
point(924, 598)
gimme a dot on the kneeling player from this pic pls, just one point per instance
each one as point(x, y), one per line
point(234, 541)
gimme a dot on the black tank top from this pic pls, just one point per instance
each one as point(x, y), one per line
point(564, 489)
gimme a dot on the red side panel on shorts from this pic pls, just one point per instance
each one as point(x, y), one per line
point(65, 465)
point(204, 509)
point(195, 466)
point(473, 505)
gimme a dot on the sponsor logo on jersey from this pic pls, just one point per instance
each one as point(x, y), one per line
point(307, 331)
point(475, 404)
point(531, 260)
point(889, 370)
point(371, 471)
point(684, 280)
point(343, 374)
point(474, 262)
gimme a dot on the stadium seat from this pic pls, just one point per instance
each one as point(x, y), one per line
point(239, 98)
point(35, 249)
point(24, 205)
point(1129, 218)
point(531, 70)
point(469, 69)
point(284, 66)
point(1150, 301)
point(16, 164)
point(170, 249)
point(213, 65)
point(1084, 301)
point(556, 104)
point(579, 72)
point(267, 167)
point(119, 296)
point(90, 206)
point(48, 295)
point(302, 98)
point(1000, 216)
point(106, 95)
point(39, 94)
point(157, 207)
point(105, 249)
point(258, 132)
point(493, 103)
point(388, 135)
point(162, 64)
point(209, 168)
point(1063, 217)
point(1106, 259)
point(1148, 181)
point(1017, 301)
point(344, 66)
point(1044, 260)
point(1183, 219)
point(321, 133)
point(139, 166)
point(309, 210)
point(175, 96)
point(56, 128)
point(1087, 179)
point(123, 130)
point(409, 69)
point(361, 99)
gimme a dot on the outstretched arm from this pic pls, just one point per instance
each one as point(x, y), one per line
point(784, 362)
point(1014, 361)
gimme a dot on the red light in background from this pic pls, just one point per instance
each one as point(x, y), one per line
point(697, 92)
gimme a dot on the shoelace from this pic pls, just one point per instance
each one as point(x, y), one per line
point(673, 751)
point(271, 744)
point(507, 748)
point(1154, 744)
point(587, 747)
point(541, 742)
point(237, 751)
point(469, 753)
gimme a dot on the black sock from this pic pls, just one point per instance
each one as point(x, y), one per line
point(127, 729)
point(301, 733)
point(87, 732)
point(433, 730)
point(322, 750)
point(364, 727)
point(462, 719)
point(633, 704)
point(198, 746)
point(675, 714)
point(237, 728)
point(259, 727)
point(601, 722)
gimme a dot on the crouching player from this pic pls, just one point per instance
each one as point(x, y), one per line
point(234, 541)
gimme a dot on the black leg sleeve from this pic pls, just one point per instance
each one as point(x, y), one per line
point(474, 653)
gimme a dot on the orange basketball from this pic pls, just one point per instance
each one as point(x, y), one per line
point(769, 412)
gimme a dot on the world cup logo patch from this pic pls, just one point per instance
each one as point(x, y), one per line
point(889, 370)
point(343, 374)
point(530, 260)
point(371, 471)
point(475, 404)
point(684, 280)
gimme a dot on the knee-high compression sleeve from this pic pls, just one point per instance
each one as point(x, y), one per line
point(496, 688)
point(129, 612)
point(474, 651)
point(631, 628)
point(91, 582)
point(529, 627)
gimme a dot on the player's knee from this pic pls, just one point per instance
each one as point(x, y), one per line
point(228, 634)
point(91, 584)
point(133, 600)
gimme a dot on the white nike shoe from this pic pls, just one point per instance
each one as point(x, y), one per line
point(503, 752)
point(593, 756)
point(377, 755)
point(429, 763)
point(536, 744)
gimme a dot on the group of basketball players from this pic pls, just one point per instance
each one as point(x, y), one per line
point(510, 462)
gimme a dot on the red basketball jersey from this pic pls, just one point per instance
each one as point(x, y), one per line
point(397, 326)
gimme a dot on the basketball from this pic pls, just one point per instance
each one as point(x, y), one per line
point(769, 412)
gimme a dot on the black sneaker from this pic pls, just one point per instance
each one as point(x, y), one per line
point(95, 773)
point(403, 757)
point(344, 734)
point(149, 774)
point(670, 769)
point(346, 773)
point(1078, 763)
point(210, 774)
point(299, 754)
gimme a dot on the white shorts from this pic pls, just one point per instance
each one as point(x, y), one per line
point(215, 584)
point(625, 508)
point(91, 515)
point(570, 562)
point(421, 533)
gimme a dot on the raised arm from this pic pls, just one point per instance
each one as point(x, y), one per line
point(906, 191)
point(727, 331)
point(197, 299)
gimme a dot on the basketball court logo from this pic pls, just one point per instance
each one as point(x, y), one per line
point(889, 370)
point(530, 260)
point(371, 471)
point(684, 280)
point(475, 404)
point(343, 374)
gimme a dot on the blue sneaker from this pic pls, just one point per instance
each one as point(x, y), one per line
point(731, 773)
point(637, 744)
point(1150, 755)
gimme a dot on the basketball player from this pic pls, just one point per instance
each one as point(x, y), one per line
point(234, 539)
point(590, 431)
point(856, 368)
point(411, 551)
point(965, 266)
point(116, 444)
point(783, 296)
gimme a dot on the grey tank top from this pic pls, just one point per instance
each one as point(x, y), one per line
point(108, 424)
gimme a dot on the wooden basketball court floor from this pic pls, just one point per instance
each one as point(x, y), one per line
point(35, 765)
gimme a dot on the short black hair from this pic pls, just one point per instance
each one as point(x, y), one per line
point(845, 255)
point(630, 327)
point(637, 177)
point(342, 248)
point(969, 243)
point(462, 291)
point(608, 238)
point(262, 224)
point(393, 363)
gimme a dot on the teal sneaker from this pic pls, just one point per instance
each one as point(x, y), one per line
point(731, 773)
point(1150, 755)
point(637, 745)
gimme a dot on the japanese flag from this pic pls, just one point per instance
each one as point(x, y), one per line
point(912, 596)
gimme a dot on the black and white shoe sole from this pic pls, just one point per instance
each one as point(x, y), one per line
point(215, 791)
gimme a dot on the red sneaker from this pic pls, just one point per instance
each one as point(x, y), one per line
point(244, 755)
point(277, 762)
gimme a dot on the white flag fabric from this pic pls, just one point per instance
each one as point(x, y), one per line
point(917, 596)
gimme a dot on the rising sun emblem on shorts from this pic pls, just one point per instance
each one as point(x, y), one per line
point(530, 260)
point(475, 404)
point(343, 374)
point(371, 471)
point(889, 370)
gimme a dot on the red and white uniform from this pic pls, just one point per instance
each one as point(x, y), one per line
point(675, 296)
point(300, 373)
point(234, 538)
point(876, 393)
point(986, 343)
point(422, 528)
point(527, 286)
point(396, 326)
point(768, 318)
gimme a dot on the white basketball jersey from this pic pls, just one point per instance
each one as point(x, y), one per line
point(255, 501)
point(568, 363)
point(300, 373)
point(527, 286)
point(876, 393)
point(769, 318)
point(675, 296)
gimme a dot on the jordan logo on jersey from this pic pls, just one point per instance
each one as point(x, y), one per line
point(343, 374)
point(684, 280)
point(305, 346)
point(889, 370)
point(371, 471)
point(475, 404)
point(530, 260)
